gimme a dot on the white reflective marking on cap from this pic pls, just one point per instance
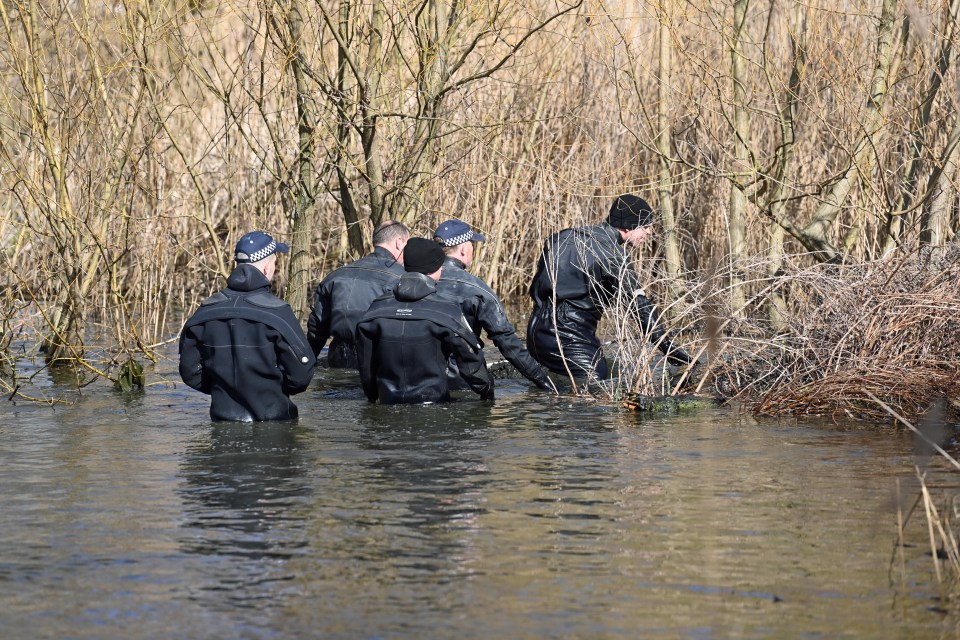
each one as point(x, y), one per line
point(639, 292)
point(304, 359)
point(460, 239)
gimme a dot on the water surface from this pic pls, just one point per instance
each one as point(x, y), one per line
point(134, 516)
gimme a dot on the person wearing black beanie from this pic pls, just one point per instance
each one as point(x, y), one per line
point(581, 272)
point(406, 337)
point(630, 212)
point(422, 256)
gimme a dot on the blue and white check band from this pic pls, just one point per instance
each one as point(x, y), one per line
point(257, 256)
point(460, 239)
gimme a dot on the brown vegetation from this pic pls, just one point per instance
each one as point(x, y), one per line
point(848, 335)
point(139, 140)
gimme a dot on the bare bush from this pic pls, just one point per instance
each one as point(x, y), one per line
point(890, 328)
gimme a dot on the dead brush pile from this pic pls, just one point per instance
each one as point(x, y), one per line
point(889, 328)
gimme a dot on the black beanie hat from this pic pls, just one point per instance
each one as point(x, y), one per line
point(422, 255)
point(630, 212)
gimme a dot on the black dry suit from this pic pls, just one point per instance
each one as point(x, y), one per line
point(582, 272)
point(342, 299)
point(405, 339)
point(483, 311)
point(246, 349)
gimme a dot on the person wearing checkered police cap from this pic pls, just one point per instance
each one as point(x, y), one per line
point(244, 347)
point(480, 305)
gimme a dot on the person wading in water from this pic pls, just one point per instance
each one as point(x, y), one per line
point(480, 305)
point(581, 273)
point(346, 293)
point(243, 346)
point(406, 337)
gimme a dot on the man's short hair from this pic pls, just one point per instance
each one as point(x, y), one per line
point(447, 250)
point(388, 231)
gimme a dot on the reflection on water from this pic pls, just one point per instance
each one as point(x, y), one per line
point(433, 472)
point(245, 481)
point(540, 517)
point(244, 498)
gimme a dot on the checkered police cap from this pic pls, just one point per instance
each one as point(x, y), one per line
point(454, 232)
point(257, 245)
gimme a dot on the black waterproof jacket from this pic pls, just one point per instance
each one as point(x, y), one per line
point(245, 348)
point(341, 300)
point(483, 311)
point(588, 271)
point(405, 339)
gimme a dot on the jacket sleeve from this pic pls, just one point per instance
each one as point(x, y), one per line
point(620, 274)
point(646, 316)
point(472, 366)
point(366, 362)
point(318, 323)
point(493, 320)
point(297, 364)
point(191, 360)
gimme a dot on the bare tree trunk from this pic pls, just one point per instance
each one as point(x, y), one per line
point(895, 221)
point(346, 85)
point(863, 160)
point(62, 319)
point(935, 223)
point(369, 111)
point(776, 305)
point(671, 240)
point(434, 32)
point(776, 205)
point(299, 279)
point(736, 220)
point(365, 82)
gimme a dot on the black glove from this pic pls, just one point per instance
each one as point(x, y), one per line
point(678, 357)
point(545, 383)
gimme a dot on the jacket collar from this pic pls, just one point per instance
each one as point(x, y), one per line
point(414, 286)
point(450, 261)
point(383, 252)
point(612, 232)
point(247, 277)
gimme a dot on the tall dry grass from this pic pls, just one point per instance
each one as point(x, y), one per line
point(846, 336)
point(138, 141)
point(889, 328)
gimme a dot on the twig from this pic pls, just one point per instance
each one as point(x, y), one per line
point(896, 415)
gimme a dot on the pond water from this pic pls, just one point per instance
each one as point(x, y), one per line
point(134, 516)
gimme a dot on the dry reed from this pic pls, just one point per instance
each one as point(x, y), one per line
point(888, 328)
point(138, 143)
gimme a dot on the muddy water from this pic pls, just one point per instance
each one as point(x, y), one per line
point(136, 517)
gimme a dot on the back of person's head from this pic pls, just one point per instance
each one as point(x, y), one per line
point(388, 231)
point(422, 256)
point(630, 212)
point(257, 246)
